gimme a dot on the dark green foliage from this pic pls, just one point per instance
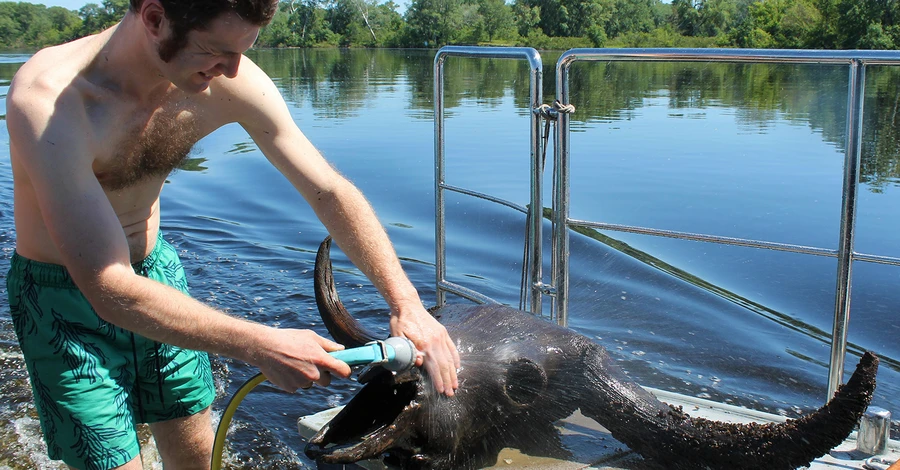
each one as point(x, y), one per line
point(497, 18)
point(99, 17)
point(24, 25)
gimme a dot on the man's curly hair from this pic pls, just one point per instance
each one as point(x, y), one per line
point(187, 15)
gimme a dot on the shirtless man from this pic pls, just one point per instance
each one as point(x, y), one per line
point(97, 296)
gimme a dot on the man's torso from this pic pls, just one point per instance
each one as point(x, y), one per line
point(135, 146)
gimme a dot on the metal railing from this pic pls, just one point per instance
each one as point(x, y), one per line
point(534, 256)
point(856, 62)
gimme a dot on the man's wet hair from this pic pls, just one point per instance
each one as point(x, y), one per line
point(187, 15)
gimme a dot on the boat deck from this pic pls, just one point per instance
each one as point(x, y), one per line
point(592, 446)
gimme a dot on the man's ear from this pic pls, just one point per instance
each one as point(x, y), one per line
point(153, 16)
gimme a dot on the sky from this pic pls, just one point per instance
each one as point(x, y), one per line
point(70, 4)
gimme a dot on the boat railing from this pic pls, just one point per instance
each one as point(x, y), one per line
point(557, 288)
point(532, 264)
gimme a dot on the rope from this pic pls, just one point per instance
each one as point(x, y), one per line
point(550, 112)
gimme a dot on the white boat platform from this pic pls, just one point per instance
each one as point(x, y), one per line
point(592, 446)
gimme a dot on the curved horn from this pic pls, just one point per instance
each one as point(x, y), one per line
point(679, 441)
point(343, 327)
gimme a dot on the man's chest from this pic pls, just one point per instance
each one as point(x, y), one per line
point(133, 144)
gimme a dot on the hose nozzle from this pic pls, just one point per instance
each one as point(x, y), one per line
point(395, 354)
point(404, 354)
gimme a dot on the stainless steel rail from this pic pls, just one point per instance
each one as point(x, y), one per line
point(856, 61)
point(533, 264)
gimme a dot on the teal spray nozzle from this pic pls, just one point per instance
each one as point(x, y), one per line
point(395, 354)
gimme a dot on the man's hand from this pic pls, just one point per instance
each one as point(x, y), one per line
point(293, 359)
point(437, 351)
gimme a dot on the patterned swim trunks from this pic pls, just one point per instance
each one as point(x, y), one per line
point(92, 381)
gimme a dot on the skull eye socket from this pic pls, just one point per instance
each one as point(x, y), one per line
point(525, 381)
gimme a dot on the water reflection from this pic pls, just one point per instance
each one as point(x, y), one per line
point(339, 82)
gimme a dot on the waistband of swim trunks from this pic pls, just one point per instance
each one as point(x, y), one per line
point(56, 275)
point(151, 259)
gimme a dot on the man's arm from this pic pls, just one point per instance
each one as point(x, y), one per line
point(348, 217)
point(47, 139)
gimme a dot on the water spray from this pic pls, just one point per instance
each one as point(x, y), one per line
point(396, 354)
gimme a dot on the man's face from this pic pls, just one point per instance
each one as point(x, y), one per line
point(210, 53)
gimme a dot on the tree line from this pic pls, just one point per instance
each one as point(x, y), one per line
point(543, 24)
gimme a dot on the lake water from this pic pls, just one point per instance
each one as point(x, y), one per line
point(751, 151)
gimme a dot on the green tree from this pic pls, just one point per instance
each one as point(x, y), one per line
point(10, 26)
point(631, 16)
point(715, 17)
point(307, 23)
point(799, 24)
point(778, 23)
point(26, 25)
point(340, 15)
point(862, 24)
point(298, 23)
point(685, 17)
point(433, 23)
point(388, 21)
point(471, 30)
point(497, 17)
point(96, 18)
point(9, 31)
point(278, 32)
point(569, 18)
point(65, 21)
point(527, 18)
point(365, 12)
point(824, 35)
point(875, 38)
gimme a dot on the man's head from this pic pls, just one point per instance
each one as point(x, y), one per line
point(187, 15)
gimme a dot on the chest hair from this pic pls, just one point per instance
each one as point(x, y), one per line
point(152, 150)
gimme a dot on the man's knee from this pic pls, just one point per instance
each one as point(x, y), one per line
point(185, 442)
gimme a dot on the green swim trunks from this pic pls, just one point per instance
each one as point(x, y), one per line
point(92, 381)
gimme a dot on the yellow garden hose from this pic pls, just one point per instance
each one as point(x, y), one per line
point(222, 430)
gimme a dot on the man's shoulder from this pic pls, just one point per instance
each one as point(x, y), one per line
point(250, 78)
point(42, 93)
point(245, 96)
point(50, 80)
point(48, 75)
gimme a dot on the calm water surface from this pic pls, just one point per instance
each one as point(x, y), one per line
point(732, 150)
